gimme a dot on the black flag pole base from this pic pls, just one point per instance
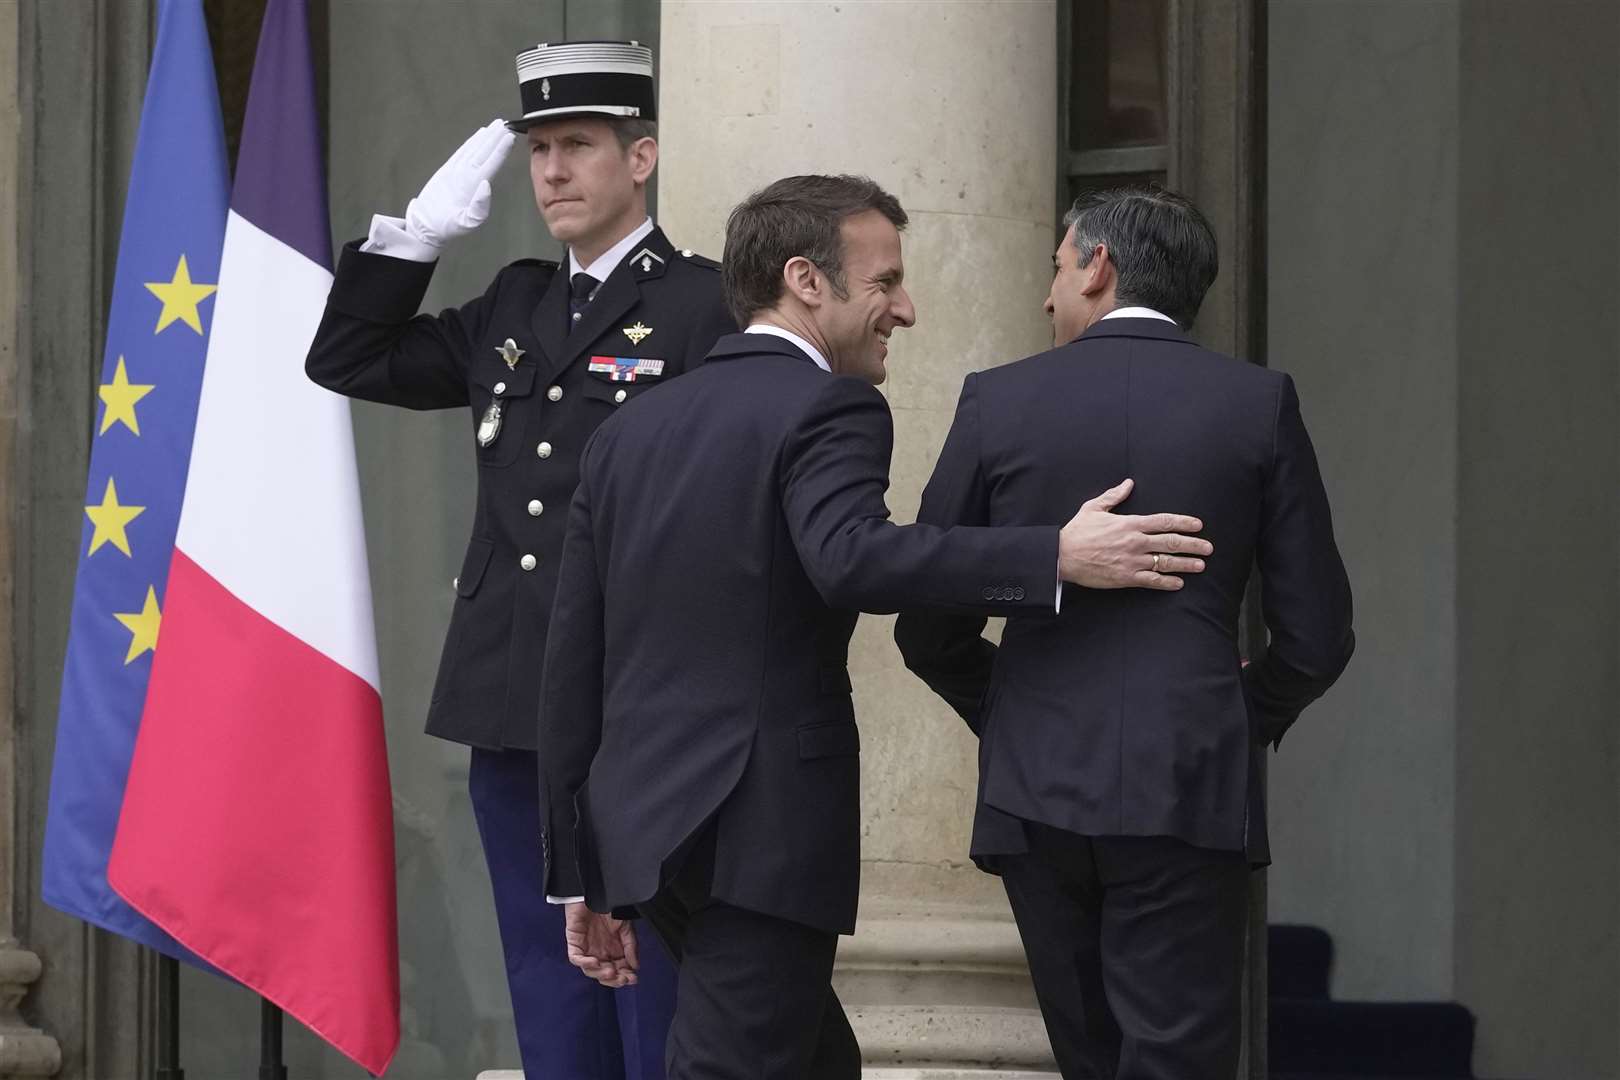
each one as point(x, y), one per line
point(168, 1021)
point(270, 1066)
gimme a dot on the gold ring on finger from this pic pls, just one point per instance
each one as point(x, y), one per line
point(1156, 558)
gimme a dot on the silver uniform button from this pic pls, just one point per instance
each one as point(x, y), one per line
point(500, 388)
point(455, 582)
point(555, 393)
point(536, 508)
point(618, 399)
point(577, 314)
point(528, 562)
point(544, 449)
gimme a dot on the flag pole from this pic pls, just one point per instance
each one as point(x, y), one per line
point(168, 1020)
point(270, 1066)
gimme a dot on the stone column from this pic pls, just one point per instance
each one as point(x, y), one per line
point(24, 1050)
point(951, 107)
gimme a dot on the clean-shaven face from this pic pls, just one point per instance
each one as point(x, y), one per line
point(857, 328)
point(1067, 304)
point(583, 181)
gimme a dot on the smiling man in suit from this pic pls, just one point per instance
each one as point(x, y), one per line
point(542, 358)
point(1120, 795)
point(701, 758)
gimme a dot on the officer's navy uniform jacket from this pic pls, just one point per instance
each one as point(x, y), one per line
point(1129, 715)
point(725, 531)
point(372, 345)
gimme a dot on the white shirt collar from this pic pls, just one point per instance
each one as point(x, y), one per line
point(1136, 313)
point(613, 256)
point(788, 335)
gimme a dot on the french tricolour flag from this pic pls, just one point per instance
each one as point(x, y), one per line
point(256, 827)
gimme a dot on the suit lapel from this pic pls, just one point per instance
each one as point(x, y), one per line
point(617, 296)
point(550, 319)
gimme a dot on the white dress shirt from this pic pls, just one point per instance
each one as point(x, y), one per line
point(604, 264)
point(788, 335)
point(1136, 313)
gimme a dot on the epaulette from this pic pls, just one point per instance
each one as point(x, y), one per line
point(690, 256)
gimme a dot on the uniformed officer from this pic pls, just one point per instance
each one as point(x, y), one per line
point(542, 358)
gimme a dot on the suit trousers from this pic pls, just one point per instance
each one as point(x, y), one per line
point(1136, 946)
point(754, 998)
point(568, 1026)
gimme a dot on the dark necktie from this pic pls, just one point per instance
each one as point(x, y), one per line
point(581, 288)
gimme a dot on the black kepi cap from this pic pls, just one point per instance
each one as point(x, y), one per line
point(575, 78)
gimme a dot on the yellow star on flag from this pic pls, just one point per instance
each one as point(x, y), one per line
point(120, 397)
point(142, 625)
point(110, 520)
point(180, 298)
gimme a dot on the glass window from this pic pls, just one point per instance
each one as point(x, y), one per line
point(1117, 93)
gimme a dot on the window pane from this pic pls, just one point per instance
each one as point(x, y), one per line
point(1117, 79)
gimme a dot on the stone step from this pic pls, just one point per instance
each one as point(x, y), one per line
point(963, 956)
point(952, 1037)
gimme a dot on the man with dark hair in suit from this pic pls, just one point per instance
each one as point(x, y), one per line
point(701, 758)
point(1120, 796)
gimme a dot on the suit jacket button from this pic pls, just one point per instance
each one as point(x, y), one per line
point(618, 399)
point(544, 449)
point(528, 562)
point(500, 388)
point(536, 508)
point(555, 393)
point(989, 593)
point(1018, 593)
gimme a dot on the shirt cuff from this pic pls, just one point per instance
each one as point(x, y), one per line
point(564, 899)
point(390, 236)
point(1057, 597)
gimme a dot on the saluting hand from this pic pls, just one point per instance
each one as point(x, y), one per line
point(1100, 549)
point(455, 200)
point(601, 946)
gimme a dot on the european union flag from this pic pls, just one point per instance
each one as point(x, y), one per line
point(157, 337)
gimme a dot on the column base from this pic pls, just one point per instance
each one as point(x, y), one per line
point(24, 1050)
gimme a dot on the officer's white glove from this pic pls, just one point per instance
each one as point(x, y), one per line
point(456, 199)
point(453, 203)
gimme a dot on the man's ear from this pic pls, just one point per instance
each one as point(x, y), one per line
point(643, 155)
point(803, 280)
point(1098, 273)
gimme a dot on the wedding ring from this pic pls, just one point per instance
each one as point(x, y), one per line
point(1155, 562)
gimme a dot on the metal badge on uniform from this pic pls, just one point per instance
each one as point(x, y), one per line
point(626, 368)
point(637, 332)
point(511, 354)
point(489, 425)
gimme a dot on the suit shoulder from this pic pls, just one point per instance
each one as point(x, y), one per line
point(688, 257)
point(530, 268)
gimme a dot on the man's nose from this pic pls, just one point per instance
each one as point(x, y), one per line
point(902, 310)
point(1048, 306)
point(555, 169)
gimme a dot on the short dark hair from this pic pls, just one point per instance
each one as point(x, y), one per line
point(796, 216)
point(1163, 249)
point(628, 129)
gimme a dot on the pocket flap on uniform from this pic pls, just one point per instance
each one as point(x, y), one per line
point(515, 382)
point(473, 566)
point(841, 738)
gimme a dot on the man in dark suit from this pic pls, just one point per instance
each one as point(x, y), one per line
point(1120, 795)
point(701, 759)
point(539, 361)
